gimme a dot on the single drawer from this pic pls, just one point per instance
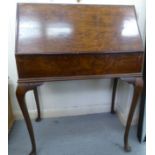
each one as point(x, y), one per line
point(65, 65)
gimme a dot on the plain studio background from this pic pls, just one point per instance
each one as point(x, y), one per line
point(67, 98)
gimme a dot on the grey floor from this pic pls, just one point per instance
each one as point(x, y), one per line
point(97, 134)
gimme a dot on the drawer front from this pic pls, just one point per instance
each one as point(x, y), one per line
point(65, 65)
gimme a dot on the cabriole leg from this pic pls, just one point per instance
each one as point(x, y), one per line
point(20, 93)
point(138, 86)
point(37, 104)
point(114, 95)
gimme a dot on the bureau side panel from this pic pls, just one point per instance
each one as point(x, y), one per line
point(65, 65)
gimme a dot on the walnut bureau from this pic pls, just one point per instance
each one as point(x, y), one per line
point(69, 42)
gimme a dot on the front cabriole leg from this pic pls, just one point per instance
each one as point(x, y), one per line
point(22, 88)
point(138, 86)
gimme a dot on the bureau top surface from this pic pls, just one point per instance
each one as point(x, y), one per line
point(68, 28)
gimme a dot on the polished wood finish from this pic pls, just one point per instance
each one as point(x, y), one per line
point(66, 42)
point(77, 65)
point(63, 28)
